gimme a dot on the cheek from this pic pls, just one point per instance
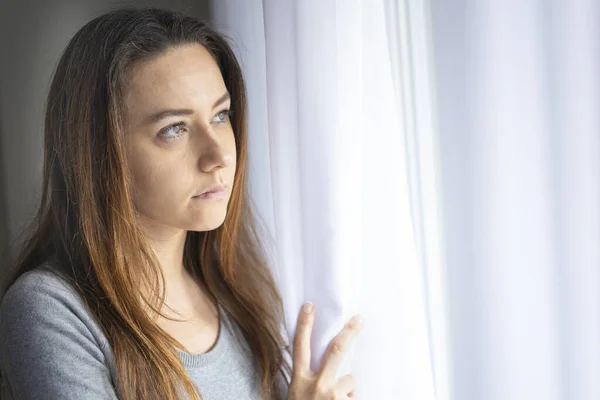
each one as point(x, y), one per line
point(159, 186)
point(230, 173)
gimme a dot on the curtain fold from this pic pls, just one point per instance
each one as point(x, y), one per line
point(338, 195)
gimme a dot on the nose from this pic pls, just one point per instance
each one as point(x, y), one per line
point(213, 152)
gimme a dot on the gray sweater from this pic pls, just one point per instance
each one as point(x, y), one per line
point(52, 348)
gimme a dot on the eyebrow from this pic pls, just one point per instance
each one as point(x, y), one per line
point(183, 111)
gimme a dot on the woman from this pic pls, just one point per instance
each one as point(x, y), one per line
point(143, 276)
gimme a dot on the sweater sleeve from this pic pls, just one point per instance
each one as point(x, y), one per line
point(47, 350)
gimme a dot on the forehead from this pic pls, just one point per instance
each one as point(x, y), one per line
point(185, 75)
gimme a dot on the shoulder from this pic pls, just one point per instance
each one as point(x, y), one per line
point(40, 293)
point(50, 342)
point(41, 303)
point(38, 284)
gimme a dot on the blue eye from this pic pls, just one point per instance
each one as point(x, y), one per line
point(172, 132)
point(221, 117)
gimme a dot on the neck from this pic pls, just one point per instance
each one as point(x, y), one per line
point(168, 245)
point(182, 290)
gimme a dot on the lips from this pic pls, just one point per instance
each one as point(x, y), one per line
point(212, 189)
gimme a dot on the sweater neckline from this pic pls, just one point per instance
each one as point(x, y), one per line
point(197, 360)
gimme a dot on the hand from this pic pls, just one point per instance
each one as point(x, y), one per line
point(307, 385)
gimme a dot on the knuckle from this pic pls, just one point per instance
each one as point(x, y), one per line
point(320, 390)
point(297, 342)
point(299, 339)
point(302, 375)
point(297, 347)
point(337, 348)
point(304, 321)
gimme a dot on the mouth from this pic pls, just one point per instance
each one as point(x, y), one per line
point(213, 193)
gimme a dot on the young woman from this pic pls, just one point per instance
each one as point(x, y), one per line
point(143, 276)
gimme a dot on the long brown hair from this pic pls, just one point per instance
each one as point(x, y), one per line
point(86, 228)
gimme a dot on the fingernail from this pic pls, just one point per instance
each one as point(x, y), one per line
point(307, 307)
point(358, 320)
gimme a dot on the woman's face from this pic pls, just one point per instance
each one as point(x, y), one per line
point(179, 140)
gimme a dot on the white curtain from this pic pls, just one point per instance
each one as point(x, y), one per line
point(381, 202)
point(333, 175)
point(518, 93)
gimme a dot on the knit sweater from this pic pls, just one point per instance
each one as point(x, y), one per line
point(51, 347)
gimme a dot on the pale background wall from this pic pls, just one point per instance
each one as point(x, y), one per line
point(33, 33)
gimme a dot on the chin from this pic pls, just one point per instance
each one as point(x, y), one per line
point(209, 225)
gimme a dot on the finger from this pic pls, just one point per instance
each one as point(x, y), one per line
point(346, 385)
point(301, 350)
point(337, 349)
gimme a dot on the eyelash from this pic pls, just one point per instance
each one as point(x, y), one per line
point(181, 124)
